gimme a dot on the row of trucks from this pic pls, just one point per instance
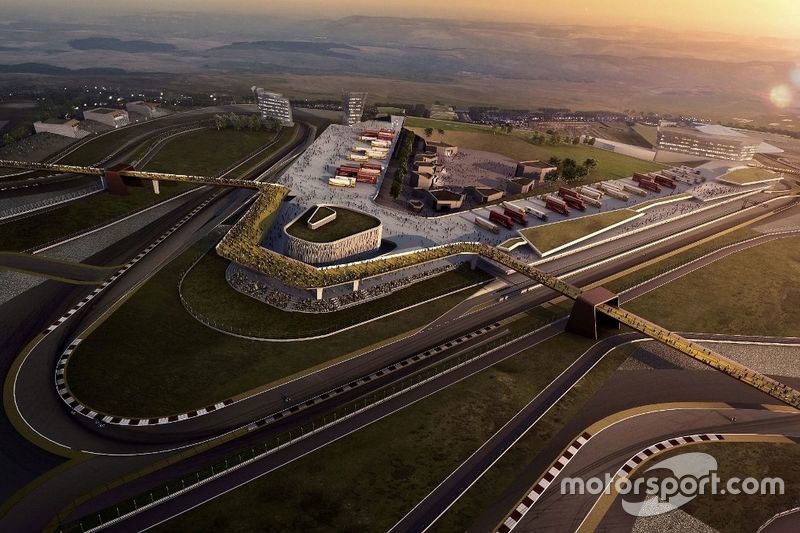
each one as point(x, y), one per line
point(364, 173)
point(614, 191)
point(576, 199)
point(383, 134)
point(358, 153)
point(496, 219)
point(653, 182)
point(511, 214)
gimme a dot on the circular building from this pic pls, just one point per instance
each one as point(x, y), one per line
point(329, 233)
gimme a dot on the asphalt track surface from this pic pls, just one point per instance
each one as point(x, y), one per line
point(446, 493)
point(728, 388)
point(34, 381)
point(198, 225)
point(28, 314)
point(607, 451)
point(57, 182)
point(438, 501)
point(49, 419)
point(53, 268)
point(519, 303)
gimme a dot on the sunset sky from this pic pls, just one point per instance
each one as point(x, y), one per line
point(778, 18)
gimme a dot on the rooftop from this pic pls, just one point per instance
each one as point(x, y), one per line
point(748, 176)
point(709, 135)
point(151, 105)
point(348, 222)
point(444, 194)
point(103, 111)
point(438, 143)
point(64, 121)
point(536, 163)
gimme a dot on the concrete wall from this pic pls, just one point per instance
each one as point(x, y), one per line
point(326, 252)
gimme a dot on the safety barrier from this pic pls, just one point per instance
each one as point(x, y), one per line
point(242, 245)
point(120, 511)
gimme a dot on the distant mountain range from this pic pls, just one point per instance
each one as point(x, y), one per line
point(301, 47)
point(111, 43)
point(52, 70)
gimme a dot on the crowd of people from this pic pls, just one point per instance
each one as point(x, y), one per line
point(261, 290)
point(471, 167)
point(709, 190)
point(659, 213)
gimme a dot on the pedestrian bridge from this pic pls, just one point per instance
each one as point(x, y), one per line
point(602, 306)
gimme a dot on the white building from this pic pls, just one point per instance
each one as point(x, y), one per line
point(59, 126)
point(274, 106)
point(353, 107)
point(146, 109)
point(708, 142)
point(110, 117)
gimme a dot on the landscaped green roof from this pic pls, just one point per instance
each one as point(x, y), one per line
point(548, 237)
point(746, 176)
point(348, 222)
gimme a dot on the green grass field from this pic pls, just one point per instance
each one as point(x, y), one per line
point(389, 110)
point(347, 223)
point(207, 151)
point(751, 292)
point(649, 133)
point(95, 149)
point(746, 176)
point(202, 152)
point(370, 479)
point(121, 367)
point(681, 258)
point(698, 312)
point(741, 513)
point(209, 294)
point(81, 215)
point(550, 236)
point(609, 165)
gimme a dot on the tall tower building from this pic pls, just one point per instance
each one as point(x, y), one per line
point(352, 107)
point(274, 105)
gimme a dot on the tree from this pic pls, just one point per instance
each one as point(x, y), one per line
point(569, 169)
point(576, 140)
point(441, 132)
point(554, 161)
point(591, 141)
point(395, 190)
point(509, 129)
point(428, 132)
point(590, 163)
point(551, 176)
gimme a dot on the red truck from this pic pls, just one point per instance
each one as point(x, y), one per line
point(499, 218)
point(515, 216)
point(554, 204)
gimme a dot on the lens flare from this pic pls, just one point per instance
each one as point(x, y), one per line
point(781, 96)
point(795, 75)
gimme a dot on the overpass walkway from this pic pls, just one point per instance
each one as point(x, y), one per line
point(774, 388)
